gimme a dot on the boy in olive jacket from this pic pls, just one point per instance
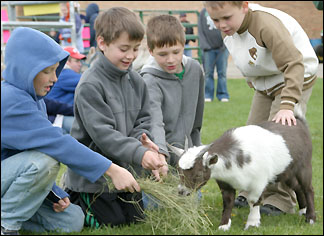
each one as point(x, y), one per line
point(275, 55)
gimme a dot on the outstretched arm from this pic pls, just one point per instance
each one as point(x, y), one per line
point(122, 178)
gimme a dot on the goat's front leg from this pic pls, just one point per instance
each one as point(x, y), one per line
point(228, 194)
point(254, 216)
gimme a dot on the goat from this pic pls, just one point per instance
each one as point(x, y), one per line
point(249, 158)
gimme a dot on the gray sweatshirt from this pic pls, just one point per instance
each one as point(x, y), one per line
point(177, 105)
point(209, 36)
point(111, 113)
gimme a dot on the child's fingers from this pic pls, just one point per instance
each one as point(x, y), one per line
point(144, 138)
point(137, 187)
point(156, 174)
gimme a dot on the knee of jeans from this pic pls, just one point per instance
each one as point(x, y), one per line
point(76, 217)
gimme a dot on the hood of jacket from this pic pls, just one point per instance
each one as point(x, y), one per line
point(24, 122)
point(24, 60)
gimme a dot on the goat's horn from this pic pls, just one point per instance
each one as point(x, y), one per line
point(175, 150)
point(204, 150)
point(186, 143)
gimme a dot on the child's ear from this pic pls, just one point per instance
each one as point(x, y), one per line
point(101, 43)
point(245, 7)
point(151, 52)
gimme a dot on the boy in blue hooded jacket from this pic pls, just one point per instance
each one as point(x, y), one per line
point(32, 148)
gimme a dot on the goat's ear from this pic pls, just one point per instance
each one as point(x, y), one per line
point(211, 159)
point(175, 150)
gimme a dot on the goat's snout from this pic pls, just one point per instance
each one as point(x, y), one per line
point(183, 190)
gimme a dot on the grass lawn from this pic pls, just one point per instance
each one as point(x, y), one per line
point(219, 117)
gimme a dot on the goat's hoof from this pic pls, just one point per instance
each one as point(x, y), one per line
point(310, 221)
point(310, 218)
point(252, 223)
point(225, 227)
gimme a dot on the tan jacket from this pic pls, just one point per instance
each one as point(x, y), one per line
point(274, 53)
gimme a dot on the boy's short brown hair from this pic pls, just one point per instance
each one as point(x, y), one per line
point(164, 30)
point(111, 23)
point(220, 4)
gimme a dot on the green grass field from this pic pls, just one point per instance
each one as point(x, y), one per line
point(219, 117)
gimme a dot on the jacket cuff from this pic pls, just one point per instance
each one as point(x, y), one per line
point(56, 194)
point(166, 153)
point(138, 156)
point(287, 105)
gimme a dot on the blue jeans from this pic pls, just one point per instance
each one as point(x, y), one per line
point(210, 59)
point(149, 202)
point(67, 124)
point(26, 180)
point(188, 52)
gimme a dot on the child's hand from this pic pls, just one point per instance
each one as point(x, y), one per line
point(146, 142)
point(283, 116)
point(151, 160)
point(122, 178)
point(162, 170)
point(61, 205)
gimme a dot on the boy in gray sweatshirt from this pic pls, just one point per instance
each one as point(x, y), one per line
point(112, 117)
point(176, 86)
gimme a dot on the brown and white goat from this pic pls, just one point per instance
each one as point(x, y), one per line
point(249, 158)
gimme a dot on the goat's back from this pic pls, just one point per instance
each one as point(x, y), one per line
point(297, 138)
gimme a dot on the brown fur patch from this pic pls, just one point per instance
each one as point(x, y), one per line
point(227, 147)
point(195, 177)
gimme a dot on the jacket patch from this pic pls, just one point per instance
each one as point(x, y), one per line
point(253, 53)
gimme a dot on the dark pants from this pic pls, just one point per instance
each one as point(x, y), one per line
point(108, 208)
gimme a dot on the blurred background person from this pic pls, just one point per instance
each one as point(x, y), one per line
point(92, 12)
point(59, 101)
point(65, 33)
point(60, 114)
point(214, 53)
point(188, 30)
point(63, 90)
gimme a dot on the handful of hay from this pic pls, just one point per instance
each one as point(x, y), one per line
point(175, 214)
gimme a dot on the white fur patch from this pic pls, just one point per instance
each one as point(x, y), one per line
point(254, 217)
point(187, 161)
point(302, 211)
point(226, 227)
point(268, 150)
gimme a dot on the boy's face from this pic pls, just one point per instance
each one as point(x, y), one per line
point(229, 18)
point(45, 79)
point(74, 64)
point(169, 58)
point(64, 10)
point(121, 52)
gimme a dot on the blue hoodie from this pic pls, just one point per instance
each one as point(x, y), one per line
point(24, 123)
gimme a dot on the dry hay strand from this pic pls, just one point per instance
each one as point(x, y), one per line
point(175, 214)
